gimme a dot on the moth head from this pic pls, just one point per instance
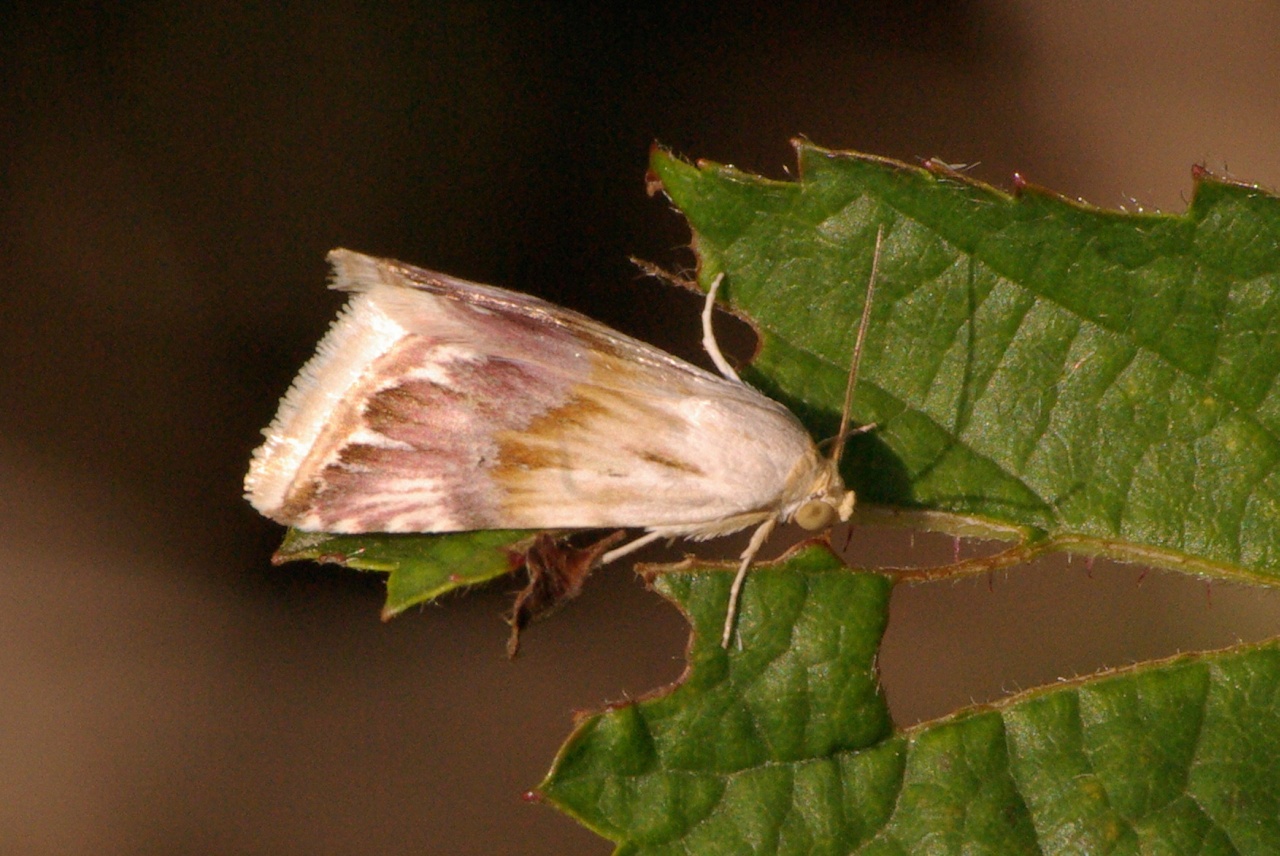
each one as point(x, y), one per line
point(828, 504)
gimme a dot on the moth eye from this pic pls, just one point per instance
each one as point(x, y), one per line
point(815, 514)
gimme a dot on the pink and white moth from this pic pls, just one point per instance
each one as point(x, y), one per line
point(439, 405)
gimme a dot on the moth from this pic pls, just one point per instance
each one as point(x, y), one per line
point(438, 405)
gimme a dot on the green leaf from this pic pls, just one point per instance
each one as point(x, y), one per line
point(722, 755)
point(420, 567)
point(1092, 379)
point(1087, 379)
point(781, 745)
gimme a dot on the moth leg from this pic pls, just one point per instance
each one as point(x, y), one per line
point(630, 547)
point(709, 336)
point(762, 533)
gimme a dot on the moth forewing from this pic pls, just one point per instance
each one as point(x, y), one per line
point(438, 405)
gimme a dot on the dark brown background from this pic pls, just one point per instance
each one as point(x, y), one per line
point(172, 178)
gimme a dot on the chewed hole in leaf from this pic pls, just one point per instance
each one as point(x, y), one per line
point(979, 639)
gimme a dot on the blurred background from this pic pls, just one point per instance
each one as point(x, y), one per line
point(172, 177)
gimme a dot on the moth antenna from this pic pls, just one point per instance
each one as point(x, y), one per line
point(709, 335)
point(838, 449)
point(735, 591)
